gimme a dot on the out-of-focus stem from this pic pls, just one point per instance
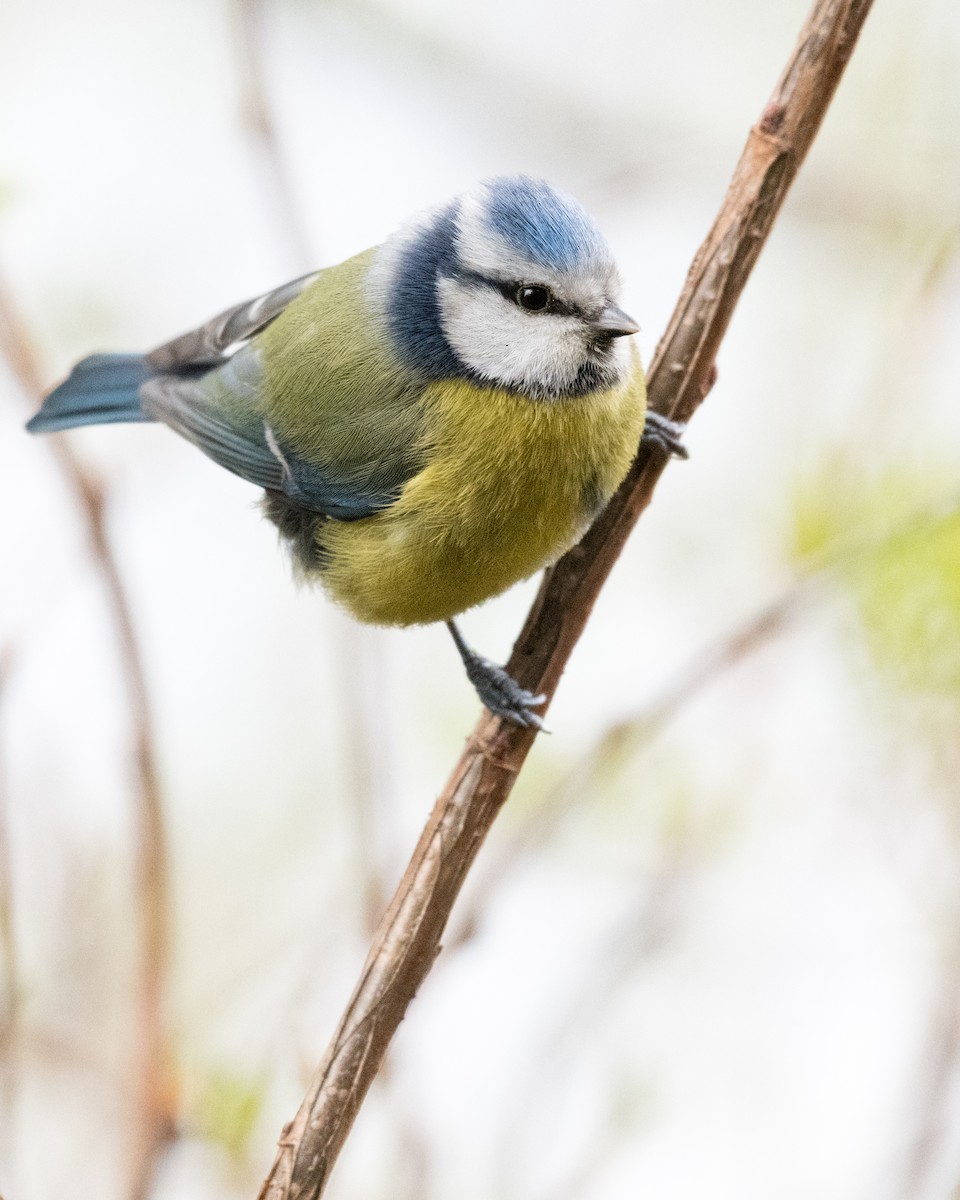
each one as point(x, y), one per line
point(364, 714)
point(929, 1106)
point(9, 966)
point(363, 755)
point(623, 739)
point(248, 21)
point(156, 1110)
point(365, 741)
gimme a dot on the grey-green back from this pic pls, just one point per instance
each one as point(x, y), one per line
point(298, 392)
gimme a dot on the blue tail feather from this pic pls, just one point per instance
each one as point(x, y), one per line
point(100, 389)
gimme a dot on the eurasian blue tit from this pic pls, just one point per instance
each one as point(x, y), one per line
point(431, 421)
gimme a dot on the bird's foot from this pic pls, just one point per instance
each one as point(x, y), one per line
point(502, 694)
point(498, 691)
point(661, 431)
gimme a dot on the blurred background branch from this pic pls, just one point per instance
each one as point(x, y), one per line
point(9, 964)
point(152, 1068)
point(365, 710)
point(621, 741)
point(930, 1107)
point(250, 40)
point(363, 714)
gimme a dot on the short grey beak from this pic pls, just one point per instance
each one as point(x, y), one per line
point(614, 322)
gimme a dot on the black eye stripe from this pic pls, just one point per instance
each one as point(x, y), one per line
point(509, 290)
point(557, 307)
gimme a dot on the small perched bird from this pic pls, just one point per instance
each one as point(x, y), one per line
point(432, 420)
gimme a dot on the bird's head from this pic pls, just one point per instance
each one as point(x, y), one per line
point(510, 285)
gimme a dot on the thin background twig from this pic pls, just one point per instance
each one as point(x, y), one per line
point(625, 737)
point(364, 714)
point(359, 671)
point(9, 964)
point(929, 1107)
point(152, 1068)
point(249, 23)
point(681, 374)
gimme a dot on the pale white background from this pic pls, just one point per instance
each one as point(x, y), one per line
point(728, 970)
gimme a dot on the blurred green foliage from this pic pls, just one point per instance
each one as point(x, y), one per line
point(227, 1109)
point(909, 600)
point(896, 542)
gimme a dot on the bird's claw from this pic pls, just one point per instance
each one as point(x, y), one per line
point(661, 431)
point(502, 695)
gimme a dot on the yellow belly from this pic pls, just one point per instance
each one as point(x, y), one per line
point(511, 483)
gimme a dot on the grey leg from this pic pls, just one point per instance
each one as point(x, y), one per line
point(497, 691)
point(666, 434)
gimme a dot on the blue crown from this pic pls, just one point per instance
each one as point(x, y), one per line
point(542, 224)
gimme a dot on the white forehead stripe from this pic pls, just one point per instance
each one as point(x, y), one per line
point(483, 249)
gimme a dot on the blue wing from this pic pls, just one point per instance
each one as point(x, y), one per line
point(219, 412)
point(206, 386)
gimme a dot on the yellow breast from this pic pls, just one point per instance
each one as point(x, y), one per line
point(511, 483)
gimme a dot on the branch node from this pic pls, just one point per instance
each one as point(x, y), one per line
point(773, 117)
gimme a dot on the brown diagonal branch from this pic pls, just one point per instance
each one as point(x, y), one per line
point(681, 374)
point(152, 1068)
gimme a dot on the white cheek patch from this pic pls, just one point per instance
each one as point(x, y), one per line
point(540, 353)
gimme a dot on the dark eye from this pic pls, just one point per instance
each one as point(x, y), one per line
point(534, 297)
